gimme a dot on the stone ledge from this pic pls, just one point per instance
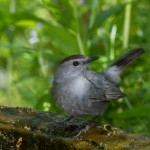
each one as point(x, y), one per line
point(27, 129)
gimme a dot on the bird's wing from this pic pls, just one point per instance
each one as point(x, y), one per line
point(102, 89)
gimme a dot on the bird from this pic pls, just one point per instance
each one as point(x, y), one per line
point(83, 92)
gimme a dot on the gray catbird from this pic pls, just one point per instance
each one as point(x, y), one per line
point(82, 92)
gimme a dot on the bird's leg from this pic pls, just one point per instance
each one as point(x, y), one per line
point(84, 130)
point(65, 121)
point(68, 119)
point(93, 122)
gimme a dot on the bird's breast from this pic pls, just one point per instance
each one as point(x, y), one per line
point(79, 86)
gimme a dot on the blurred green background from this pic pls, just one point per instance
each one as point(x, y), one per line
point(36, 35)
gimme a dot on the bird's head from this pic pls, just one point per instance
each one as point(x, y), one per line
point(72, 67)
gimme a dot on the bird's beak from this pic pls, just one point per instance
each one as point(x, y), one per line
point(90, 59)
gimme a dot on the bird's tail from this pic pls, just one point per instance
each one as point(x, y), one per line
point(126, 59)
point(116, 68)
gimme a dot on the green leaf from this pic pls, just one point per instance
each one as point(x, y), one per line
point(63, 39)
point(105, 14)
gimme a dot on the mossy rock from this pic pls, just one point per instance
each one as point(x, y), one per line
point(27, 129)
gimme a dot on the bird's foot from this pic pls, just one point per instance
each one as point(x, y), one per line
point(84, 130)
point(87, 127)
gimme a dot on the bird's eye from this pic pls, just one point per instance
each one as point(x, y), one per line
point(75, 63)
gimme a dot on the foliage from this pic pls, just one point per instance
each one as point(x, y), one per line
point(36, 36)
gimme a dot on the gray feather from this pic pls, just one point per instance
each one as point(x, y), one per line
point(102, 89)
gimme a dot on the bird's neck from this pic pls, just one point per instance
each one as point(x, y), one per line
point(66, 79)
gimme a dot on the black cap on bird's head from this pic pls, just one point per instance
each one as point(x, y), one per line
point(80, 57)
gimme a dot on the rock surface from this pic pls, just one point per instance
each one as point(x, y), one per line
point(27, 129)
